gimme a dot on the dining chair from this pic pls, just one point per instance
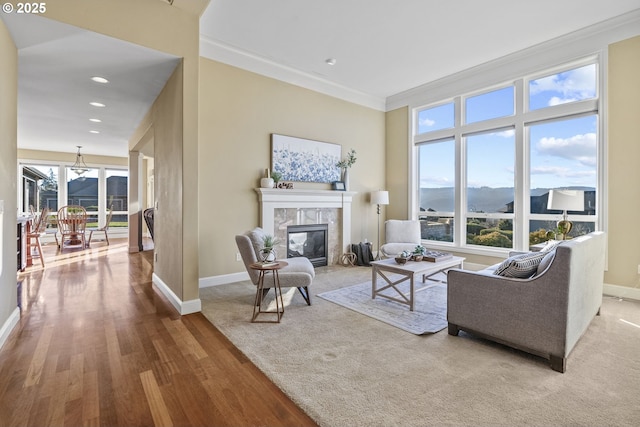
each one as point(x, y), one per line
point(104, 228)
point(72, 223)
point(38, 226)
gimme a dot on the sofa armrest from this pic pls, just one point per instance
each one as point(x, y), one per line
point(530, 313)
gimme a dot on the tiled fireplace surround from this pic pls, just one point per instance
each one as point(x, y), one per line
point(280, 208)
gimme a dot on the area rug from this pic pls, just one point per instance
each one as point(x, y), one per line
point(430, 306)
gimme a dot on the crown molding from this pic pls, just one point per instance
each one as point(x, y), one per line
point(569, 47)
point(230, 55)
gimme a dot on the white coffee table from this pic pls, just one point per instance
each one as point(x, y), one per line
point(408, 272)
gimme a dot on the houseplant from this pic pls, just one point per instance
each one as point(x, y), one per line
point(419, 252)
point(345, 165)
point(268, 252)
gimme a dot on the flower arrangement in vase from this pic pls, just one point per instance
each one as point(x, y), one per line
point(345, 165)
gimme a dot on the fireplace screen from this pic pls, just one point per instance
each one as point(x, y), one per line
point(309, 241)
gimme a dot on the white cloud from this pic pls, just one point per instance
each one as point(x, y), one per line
point(427, 122)
point(562, 172)
point(436, 181)
point(506, 133)
point(580, 148)
point(572, 85)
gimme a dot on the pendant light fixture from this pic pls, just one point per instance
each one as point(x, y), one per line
point(79, 167)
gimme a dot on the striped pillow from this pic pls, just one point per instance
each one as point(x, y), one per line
point(520, 266)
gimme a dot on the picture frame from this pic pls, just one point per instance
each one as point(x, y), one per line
point(338, 186)
point(305, 160)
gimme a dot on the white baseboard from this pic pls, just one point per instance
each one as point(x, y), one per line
point(622, 291)
point(8, 326)
point(183, 307)
point(223, 279)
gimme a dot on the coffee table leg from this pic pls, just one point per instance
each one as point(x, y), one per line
point(374, 281)
point(411, 292)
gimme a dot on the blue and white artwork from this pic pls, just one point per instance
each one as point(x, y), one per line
point(304, 160)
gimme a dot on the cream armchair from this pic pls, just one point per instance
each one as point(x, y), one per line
point(299, 272)
point(400, 235)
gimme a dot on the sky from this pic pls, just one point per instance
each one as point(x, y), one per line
point(563, 153)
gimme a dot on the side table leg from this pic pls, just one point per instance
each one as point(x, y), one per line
point(258, 300)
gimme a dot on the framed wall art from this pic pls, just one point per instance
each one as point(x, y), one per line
point(305, 160)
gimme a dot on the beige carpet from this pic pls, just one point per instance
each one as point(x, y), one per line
point(345, 369)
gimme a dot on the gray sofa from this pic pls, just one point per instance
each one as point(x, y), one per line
point(543, 315)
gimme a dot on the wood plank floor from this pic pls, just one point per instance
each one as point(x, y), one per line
point(97, 345)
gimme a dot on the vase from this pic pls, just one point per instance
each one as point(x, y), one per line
point(267, 255)
point(266, 182)
point(345, 178)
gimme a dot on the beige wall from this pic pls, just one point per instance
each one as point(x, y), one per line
point(623, 144)
point(238, 112)
point(168, 218)
point(397, 158)
point(8, 172)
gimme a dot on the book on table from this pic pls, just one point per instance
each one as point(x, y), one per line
point(435, 256)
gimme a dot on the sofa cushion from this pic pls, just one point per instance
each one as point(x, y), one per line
point(551, 245)
point(520, 266)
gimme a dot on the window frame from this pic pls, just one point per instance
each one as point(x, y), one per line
point(519, 121)
point(62, 173)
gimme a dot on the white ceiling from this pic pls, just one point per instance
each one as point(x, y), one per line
point(381, 48)
point(55, 65)
point(385, 47)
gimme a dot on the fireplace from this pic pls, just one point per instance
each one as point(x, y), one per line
point(310, 240)
point(280, 209)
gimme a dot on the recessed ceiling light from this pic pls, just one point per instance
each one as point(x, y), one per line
point(331, 61)
point(95, 120)
point(94, 131)
point(98, 79)
point(97, 104)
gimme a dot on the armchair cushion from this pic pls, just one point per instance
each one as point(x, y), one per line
point(400, 235)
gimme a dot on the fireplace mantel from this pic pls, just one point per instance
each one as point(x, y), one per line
point(271, 199)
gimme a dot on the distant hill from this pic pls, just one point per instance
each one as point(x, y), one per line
point(483, 199)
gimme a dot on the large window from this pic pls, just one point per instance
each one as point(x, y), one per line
point(98, 190)
point(486, 161)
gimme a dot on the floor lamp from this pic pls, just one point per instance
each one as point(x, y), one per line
point(379, 198)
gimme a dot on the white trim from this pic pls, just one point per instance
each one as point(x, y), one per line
point(227, 54)
point(223, 279)
point(8, 326)
point(572, 46)
point(183, 307)
point(622, 291)
point(272, 199)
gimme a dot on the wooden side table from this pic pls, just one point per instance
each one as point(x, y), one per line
point(261, 291)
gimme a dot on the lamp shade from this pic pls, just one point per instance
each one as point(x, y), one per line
point(566, 200)
point(379, 197)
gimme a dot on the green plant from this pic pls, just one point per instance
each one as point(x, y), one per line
point(269, 241)
point(277, 176)
point(349, 161)
point(405, 254)
point(420, 250)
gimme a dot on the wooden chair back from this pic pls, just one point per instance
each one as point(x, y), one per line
point(72, 219)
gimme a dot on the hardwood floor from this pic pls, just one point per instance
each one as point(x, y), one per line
point(97, 345)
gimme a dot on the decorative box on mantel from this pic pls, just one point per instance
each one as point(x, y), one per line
point(338, 204)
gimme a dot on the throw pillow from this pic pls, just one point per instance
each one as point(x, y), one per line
point(546, 261)
point(257, 239)
point(520, 266)
point(551, 245)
